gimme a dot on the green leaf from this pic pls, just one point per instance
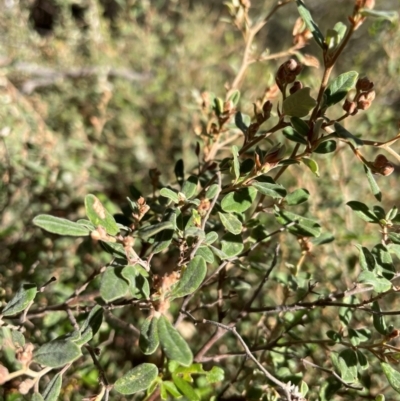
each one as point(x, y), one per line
point(297, 197)
point(341, 132)
point(348, 365)
point(231, 245)
point(212, 191)
point(391, 16)
point(99, 216)
point(311, 164)
point(91, 325)
point(53, 389)
point(384, 261)
point(367, 260)
point(239, 201)
point(191, 278)
point(211, 237)
point(378, 319)
point(164, 238)
point(37, 397)
point(267, 186)
point(311, 25)
point(206, 253)
point(392, 375)
point(340, 87)
point(148, 339)
point(362, 211)
point(299, 104)
point(231, 222)
point(113, 285)
point(240, 122)
point(136, 275)
point(294, 136)
point(148, 231)
point(56, 354)
point(304, 226)
point(59, 226)
point(326, 147)
point(172, 343)
point(235, 97)
point(300, 126)
point(215, 375)
point(236, 164)
point(137, 379)
point(171, 388)
point(362, 360)
point(21, 299)
point(334, 336)
point(185, 388)
point(380, 284)
point(169, 194)
point(372, 184)
point(189, 187)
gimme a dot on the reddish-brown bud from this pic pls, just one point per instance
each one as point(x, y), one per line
point(364, 85)
point(382, 165)
point(267, 107)
point(297, 85)
point(245, 3)
point(365, 100)
point(350, 107)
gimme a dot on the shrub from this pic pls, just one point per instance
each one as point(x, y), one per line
point(234, 260)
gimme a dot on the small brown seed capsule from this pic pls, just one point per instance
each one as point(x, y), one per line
point(297, 85)
point(350, 107)
point(364, 85)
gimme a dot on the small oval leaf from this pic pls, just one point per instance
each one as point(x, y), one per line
point(137, 379)
point(239, 201)
point(299, 104)
point(21, 299)
point(53, 389)
point(99, 216)
point(191, 278)
point(57, 353)
point(392, 375)
point(57, 225)
point(231, 222)
point(148, 339)
point(172, 343)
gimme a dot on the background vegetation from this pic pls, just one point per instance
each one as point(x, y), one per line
point(95, 93)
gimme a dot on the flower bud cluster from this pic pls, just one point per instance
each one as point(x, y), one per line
point(287, 73)
point(301, 34)
point(363, 99)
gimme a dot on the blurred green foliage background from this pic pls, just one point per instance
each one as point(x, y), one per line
point(94, 93)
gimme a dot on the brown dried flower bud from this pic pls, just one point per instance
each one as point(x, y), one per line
point(395, 333)
point(290, 65)
point(297, 85)
point(26, 385)
point(365, 100)
point(3, 374)
point(24, 355)
point(382, 165)
point(245, 3)
point(364, 85)
point(267, 107)
point(370, 4)
point(350, 107)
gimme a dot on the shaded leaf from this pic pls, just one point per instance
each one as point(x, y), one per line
point(185, 388)
point(191, 278)
point(231, 245)
point(267, 186)
point(164, 238)
point(380, 284)
point(303, 226)
point(206, 253)
point(57, 353)
point(299, 104)
point(91, 325)
point(372, 184)
point(189, 187)
point(362, 211)
point(148, 339)
point(137, 379)
point(113, 285)
point(300, 126)
point(391, 16)
point(236, 164)
point(326, 147)
point(169, 194)
point(239, 201)
point(311, 25)
point(311, 164)
point(297, 197)
point(294, 136)
point(53, 389)
point(378, 319)
point(179, 171)
point(21, 299)
point(341, 132)
point(148, 231)
point(367, 260)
